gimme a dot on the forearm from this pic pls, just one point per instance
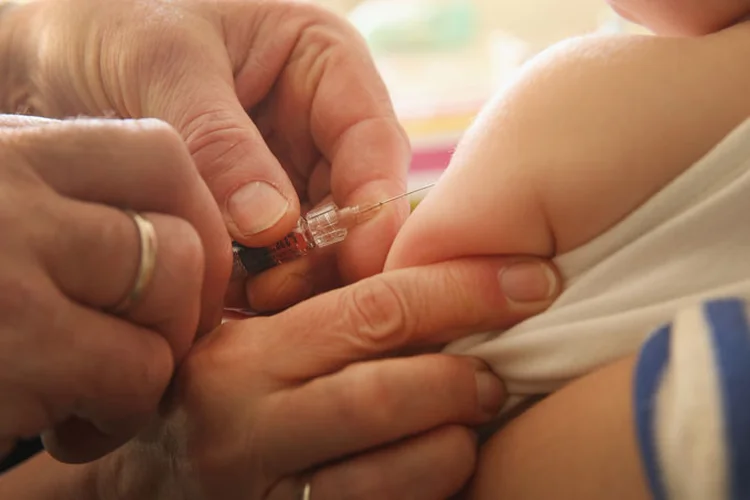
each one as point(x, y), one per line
point(578, 443)
point(16, 33)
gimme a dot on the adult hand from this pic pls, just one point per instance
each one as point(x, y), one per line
point(68, 254)
point(264, 405)
point(279, 103)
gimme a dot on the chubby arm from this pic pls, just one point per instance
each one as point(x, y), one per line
point(577, 444)
point(589, 131)
point(675, 422)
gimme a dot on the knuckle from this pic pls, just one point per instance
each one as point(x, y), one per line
point(376, 314)
point(454, 278)
point(369, 398)
point(214, 137)
point(312, 12)
point(175, 303)
point(24, 299)
point(456, 374)
point(90, 237)
point(462, 441)
point(208, 126)
point(147, 377)
point(456, 294)
point(186, 253)
point(203, 374)
point(165, 149)
point(156, 372)
point(460, 457)
point(16, 148)
point(447, 384)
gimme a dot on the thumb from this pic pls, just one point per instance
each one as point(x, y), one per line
point(254, 193)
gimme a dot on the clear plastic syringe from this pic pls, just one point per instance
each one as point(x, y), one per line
point(319, 228)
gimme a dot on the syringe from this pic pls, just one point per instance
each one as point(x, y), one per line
point(324, 226)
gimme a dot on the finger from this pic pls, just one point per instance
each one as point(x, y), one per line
point(495, 221)
point(354, 126)
point(433, 304)
point(104, 371)
point(280, 287)
point(378, 402)
point(283, 286)
point(368, 151)
point(138, 164)
point(94, 255)
point(431, 466)
point(257, 200)
point(330, 109)
point(288, 284)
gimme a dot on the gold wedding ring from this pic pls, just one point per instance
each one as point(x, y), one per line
point(146, 263)
point(306, 491)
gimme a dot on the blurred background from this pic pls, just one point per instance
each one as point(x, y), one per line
point(443, 59)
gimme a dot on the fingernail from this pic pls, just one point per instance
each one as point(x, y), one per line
point(489, 391)
point(256, 207)
point(528, 282)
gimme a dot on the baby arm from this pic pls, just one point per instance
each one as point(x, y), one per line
point(577, 444)
point(589, 131)
point(669, 423)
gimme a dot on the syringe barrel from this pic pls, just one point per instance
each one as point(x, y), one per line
point(319, 228)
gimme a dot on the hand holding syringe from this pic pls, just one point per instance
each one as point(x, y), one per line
point(319, 228)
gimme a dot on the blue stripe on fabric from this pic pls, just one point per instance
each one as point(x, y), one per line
point(652, 362)
point(731, 342)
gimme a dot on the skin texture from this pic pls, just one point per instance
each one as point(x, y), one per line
point(683, 17)
point(252, 408)
point(581, 440)
point(603, 155)
point(87, 378)
point(589, 131)
point(276, 91)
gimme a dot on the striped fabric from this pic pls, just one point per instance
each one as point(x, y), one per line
point(692, 404)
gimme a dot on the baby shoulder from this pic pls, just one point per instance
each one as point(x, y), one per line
point(614, 119)
point(634, 84)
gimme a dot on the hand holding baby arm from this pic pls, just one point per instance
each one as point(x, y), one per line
point(314, 394)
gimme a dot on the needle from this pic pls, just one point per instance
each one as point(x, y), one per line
point(397, 197)
point(359, 209)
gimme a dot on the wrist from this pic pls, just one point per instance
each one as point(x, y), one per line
point(139, 470)
point(149, 467)
point(60, 481)
point(17, 33)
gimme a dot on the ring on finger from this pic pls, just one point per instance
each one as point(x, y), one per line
point(146, 263)
point(306, 492)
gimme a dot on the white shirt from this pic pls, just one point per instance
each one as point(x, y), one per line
point(688, 243)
